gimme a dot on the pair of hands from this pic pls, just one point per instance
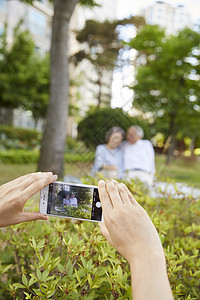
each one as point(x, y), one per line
point(127, 226)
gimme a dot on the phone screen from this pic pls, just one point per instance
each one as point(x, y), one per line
point(72, 201)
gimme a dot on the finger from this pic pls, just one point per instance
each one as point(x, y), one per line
point(131, 198)
point(32, 216)
point(9, 186)
point(22, 182)
point(34, 178)
point(37, 186)
point(105, 200)
point(122, 192)
point(113, 194)
point(105, 232)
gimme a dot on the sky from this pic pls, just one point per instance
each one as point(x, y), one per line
point(131, 7)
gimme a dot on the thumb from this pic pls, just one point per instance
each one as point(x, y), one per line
point(32, 216)
point(105, 232)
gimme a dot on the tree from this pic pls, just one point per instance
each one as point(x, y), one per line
point(165, 84)
point(21, 85)
point(38, 88)
point(101, 44)
point(54, 137)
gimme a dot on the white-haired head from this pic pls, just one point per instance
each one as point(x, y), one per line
point(134, 134)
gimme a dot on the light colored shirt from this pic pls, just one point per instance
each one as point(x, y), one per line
point(65, 201)
point(139, 155)
point(105, 156)
point(73, 202)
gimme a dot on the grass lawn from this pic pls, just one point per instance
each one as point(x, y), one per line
point(9, 172)
point(180, 170)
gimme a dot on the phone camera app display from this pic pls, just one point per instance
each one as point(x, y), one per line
point(73, 201)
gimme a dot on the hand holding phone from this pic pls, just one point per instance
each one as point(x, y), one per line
point(70, 200)
point(15, 194)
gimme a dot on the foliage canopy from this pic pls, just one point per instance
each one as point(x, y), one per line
point(167, 79)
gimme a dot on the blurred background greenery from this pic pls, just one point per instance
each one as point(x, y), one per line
point(159, 68)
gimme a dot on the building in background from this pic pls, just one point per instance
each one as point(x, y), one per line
point(172, 18)
point(37, 19)
point(85, 70)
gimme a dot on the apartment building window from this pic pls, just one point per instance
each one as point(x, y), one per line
point(37, 22)
point(3, 4)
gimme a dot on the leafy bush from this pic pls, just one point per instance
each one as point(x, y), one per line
point(19, 156)
point(62, 259)
point(73, 145)
point(93, 127)
point(13, 137)
point(28, 157)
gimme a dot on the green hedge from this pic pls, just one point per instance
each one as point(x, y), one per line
point(58, 259)
point(19, 156)
point(13, 137)
point(28, 157)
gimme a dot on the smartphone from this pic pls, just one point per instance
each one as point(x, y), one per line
point(70, 200)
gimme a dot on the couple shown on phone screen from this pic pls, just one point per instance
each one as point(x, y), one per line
point(69, 200)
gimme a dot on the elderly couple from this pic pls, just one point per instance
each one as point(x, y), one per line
point(130, 159)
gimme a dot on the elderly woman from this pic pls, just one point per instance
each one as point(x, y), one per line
point(108, 157)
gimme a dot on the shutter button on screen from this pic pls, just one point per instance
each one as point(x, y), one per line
point(98, 204)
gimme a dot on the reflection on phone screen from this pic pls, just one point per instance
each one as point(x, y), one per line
point(68, 200)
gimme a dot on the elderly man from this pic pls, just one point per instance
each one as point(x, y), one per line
point(139, 157)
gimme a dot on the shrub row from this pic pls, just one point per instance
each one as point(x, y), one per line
point(13, 137)
point(73, 261)
point(28, 157)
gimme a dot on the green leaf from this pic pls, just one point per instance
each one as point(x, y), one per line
point(5, 269)
point(32, 281)
point(77, 276)
point(33, 243)
point(44, 275)
point(83, 261)
point(39, 275)
point(46, 257)
point(27, 295)
point(89, 280)
point(50, 294)
point(24, 280)
point(60, 268)
point(119, 272)
point(41, 244)
point(19, 285)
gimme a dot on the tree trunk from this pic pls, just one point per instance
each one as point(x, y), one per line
point(6, 116)
point(99, 82)
point(192, 146)
point(54, 137)
point(172, 132)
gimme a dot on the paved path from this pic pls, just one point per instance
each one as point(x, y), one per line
point(178, 190)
